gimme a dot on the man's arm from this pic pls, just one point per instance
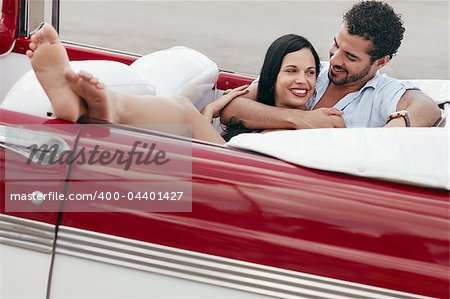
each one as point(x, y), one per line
point(422, 110)
point(261, 116)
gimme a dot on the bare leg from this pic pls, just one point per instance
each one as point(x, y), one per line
point(110, 106)
point(49, 61)
point(201, 125)
point(67, 90)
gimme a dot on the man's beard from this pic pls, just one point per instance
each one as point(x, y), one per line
point(349, 79)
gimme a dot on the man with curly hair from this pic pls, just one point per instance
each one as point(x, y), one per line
point(369, 37)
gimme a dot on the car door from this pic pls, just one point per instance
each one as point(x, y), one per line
point(113, 240)
point(29, 208)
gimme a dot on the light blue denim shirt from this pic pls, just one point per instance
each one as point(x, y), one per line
point(368, 107)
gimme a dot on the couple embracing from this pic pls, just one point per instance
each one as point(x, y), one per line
point(295, 90)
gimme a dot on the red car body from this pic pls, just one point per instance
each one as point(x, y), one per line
point(257, 209)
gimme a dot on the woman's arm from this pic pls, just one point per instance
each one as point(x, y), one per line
point(214, 109)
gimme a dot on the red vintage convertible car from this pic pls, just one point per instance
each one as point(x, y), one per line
point(368, 219)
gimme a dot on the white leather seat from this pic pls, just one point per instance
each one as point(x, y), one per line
point(27, 95)
point(180, 71)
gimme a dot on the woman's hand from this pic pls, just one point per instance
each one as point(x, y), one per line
point(214, 109)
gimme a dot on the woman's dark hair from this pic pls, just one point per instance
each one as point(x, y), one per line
point(266, 86)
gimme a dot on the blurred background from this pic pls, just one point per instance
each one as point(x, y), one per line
point(236, 34)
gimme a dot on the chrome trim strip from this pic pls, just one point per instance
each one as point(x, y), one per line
point(55, 14)
point(28, 234)
point(40, 148)
point(205, 268)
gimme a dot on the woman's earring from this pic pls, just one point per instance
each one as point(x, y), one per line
point(271, 89)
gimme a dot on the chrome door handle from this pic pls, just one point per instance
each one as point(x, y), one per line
point(38, 147)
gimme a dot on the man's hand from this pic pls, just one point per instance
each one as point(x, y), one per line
point(319, 118)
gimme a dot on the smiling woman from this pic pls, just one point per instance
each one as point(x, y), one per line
point(296, 80)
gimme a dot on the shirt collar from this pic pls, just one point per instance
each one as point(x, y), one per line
point(349, 98)
point(372, 82)
point(323, 80)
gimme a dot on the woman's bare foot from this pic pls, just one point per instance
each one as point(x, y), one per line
point(49, 61)
point(100, 103)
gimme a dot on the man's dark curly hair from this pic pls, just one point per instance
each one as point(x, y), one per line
point(376, 21)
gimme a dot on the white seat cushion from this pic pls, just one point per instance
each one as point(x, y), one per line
point(417, 156)
point(27, 95)
point(180, 71)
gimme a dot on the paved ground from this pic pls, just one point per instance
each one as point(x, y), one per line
point(236, 34)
